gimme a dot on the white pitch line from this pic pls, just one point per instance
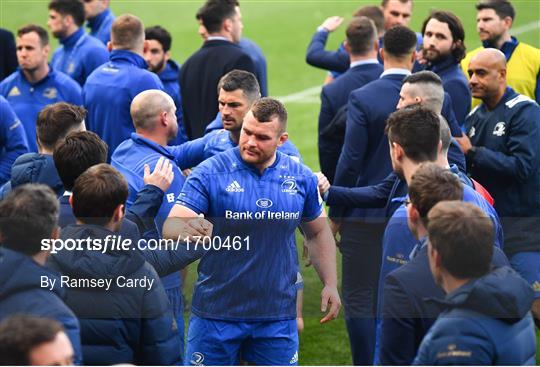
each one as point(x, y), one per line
point(308, 95)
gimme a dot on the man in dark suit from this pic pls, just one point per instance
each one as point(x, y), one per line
point(8, 60)
point(362, 46)
point(220, 54)
point(365, 160)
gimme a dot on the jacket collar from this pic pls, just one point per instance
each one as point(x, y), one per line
point(95, 23)
point(507, 48)
point(71, 41)
point(137, 139)
point(442, 65)
point(129, 57)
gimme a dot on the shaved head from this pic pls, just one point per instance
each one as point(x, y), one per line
point(487, 73)
point(490, 57)
point(147, 106)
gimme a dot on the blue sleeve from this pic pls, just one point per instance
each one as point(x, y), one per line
point(397, 326)
point(145, 208)
point(455, 156)
point(74, 93)
point(461, 99)
point(195, 193)
point(522, 156)
point(13, 141)
point(328, 60)
point(469, 339)
point(189, 154)
point(448, 114)
point(375, 196)
point(327, 148)
point(355, 145)
point(313, 203)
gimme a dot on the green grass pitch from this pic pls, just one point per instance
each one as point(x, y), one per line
point(283, 29)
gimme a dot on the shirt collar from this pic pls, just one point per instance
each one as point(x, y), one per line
point(51, 74)
point(217, 38)
point(396, 71)
point(507, 48)
point(253, 168)
point(71, 41)
point(153, 145)
point(442, 64)
point(364, 62)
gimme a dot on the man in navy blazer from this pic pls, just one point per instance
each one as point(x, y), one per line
point(362, 46)
point(365, 160)
point(219, 54)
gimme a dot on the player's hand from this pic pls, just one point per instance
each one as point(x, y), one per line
point(162, 176)
point(420, 58)
point(200, 226)
point(332, 23)
point(186, 172)
point(464, 143)
point(330, 298)
point(300, 324)
point(322, 183)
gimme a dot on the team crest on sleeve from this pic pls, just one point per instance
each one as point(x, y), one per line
point(500, 129)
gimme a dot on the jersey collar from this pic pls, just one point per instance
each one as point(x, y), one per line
point(71, 41)
point(137, 139)
point(129, 57)
point(253, 168)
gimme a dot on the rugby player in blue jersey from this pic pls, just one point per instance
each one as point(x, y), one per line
point(255, 197)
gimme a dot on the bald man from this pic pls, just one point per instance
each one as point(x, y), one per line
point(502, 147)
point(154, 116)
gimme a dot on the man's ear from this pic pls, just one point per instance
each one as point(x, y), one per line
point(283, 138)
point(71, 201)
point(399, 153)
point(146, 46)
point(347, 47)
point(227, 25)
point(118, 213)
point(439, 147)
point(381, 53)
point(109, 46)
point(413, 56)
point(55, 233)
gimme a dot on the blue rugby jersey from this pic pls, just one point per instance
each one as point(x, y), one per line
point(255, 283)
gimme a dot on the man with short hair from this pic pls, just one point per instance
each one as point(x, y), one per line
point(414, 139)
point(129, 319)
point(13, 141)
point(362, 47)
point(444, 48)
point(503, 153)
point(250, 192)
point(494, 19)
point(79, 53)
point(28, 216)
point(34, 341)
point(158, 58)
point(54, 122)
point(35, 84)
point(498, 329)
point(8, 60)
point(100, 19)
point(364, 161)
point(219, 54)
point(110, 89)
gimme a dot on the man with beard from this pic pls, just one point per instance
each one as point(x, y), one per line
point(158, 58)
point(238, 90)
point(443, 49)
point(503, 153)
point(36, 84)
point(100, 19)
point(79, 53)
point(493, 22)
point(244, 302)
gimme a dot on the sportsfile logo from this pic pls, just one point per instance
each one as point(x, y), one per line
point(234, 187)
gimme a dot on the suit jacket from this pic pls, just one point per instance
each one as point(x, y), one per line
point(333, 97)
point(199, 78)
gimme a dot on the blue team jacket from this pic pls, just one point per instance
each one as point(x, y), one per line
point(21, 292)
point(406, 317)
point(79, 55)
point(108, 93)
point(456, 85)
point(169, 78)
point(507, 163)
point(27, 100)
point(119, 325)
point(485, 322)
point(33, 168)
point(100, 26)
point(13, 141)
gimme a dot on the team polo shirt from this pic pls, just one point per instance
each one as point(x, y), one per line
point(255, 283)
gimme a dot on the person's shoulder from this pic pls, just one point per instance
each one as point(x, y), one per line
point(521, 104)
point(92, 43)
point(65, 82)
point(11, 79)
point(529, 49)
